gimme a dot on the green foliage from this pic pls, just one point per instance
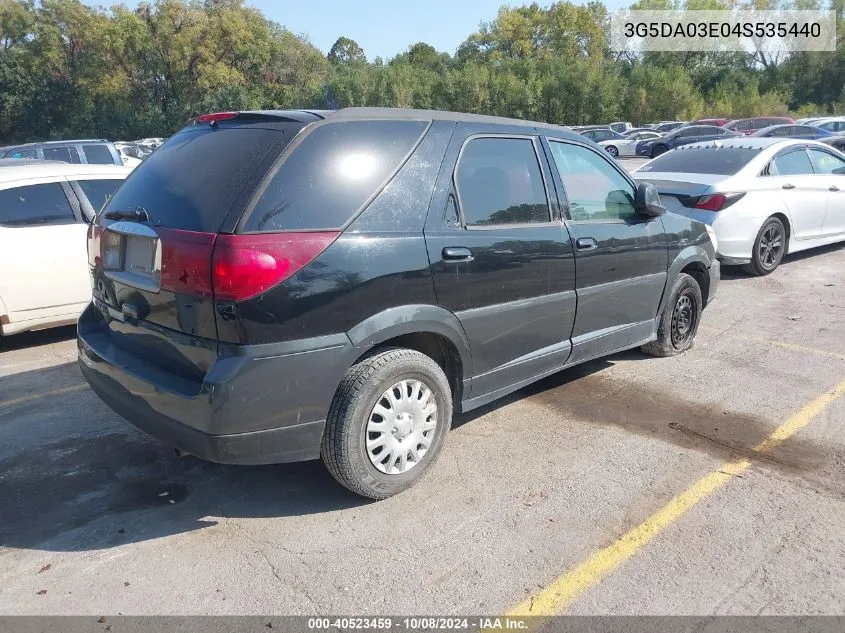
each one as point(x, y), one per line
point(68, 69)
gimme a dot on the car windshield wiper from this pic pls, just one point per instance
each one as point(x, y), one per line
point(138, 214)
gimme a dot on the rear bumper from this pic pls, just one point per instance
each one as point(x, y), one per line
point(256, 404)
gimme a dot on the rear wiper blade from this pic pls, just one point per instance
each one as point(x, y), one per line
point(138, 214)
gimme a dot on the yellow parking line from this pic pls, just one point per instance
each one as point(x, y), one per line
point(36, 396)
point(559, 594)
point(783, 344)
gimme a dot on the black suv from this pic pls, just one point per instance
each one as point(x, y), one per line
point(279, 286)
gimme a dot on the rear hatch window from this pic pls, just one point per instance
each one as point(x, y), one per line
point(723, 161)
point(199, 176)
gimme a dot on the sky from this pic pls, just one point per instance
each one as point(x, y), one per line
point(383, 28)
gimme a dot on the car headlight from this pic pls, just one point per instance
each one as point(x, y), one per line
point(712, 235)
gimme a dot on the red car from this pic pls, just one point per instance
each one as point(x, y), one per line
point(749, 126)
point(718, 122)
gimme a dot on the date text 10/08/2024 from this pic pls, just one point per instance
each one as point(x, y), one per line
point(418, 623)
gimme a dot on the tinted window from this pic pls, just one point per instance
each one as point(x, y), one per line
point(684, 132)
point(743, 125)
point(825, 163)
point(35, 205)
point(724, 161)
point(23, 153)
point(98, 154)
point(330, 176)
point(66, 154)
point(791, 164)
point(594, 189)
point(499, 182)
point(99, 192)
point(196, 179)
point(781, 131)
point(803, 129)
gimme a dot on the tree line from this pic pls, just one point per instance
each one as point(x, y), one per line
point(71, 70)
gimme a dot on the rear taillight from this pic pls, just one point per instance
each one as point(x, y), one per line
point(95, 232)
point(244, 266)
point(186, 261)
point(225, 267)
point(214, 117)
point(717, 201)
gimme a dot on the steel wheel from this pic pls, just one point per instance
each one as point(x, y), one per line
point(770, 248)
point(683, 319)
point(401, 427)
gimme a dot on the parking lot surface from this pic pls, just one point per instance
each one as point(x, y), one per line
point(97, 518)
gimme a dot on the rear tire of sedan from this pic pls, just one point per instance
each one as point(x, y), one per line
point(612, 151)
point(769, 248)
point(387, 423)
point(679, 319)
point(657, 150)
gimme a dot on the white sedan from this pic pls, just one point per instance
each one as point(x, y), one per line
point(626, 146)
point(763, 197)
point(45, 210)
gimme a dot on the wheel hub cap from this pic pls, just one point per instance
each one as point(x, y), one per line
point(401, 427)
point(771, 244)
point(683, 320)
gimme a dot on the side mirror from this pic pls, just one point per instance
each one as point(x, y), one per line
point(839, 171)
point(647, 202)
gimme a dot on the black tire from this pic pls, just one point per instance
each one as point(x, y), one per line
point(610, 149)
point(679, 319)
point(657, 150)
point(769, 248)
point(344, 449)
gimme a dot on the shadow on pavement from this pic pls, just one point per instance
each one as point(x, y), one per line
point(74, 476)
point(37, 338)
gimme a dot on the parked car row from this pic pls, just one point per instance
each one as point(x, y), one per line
point(85, 151)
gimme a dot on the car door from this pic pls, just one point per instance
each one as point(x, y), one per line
point(830, 170)
point(500, 258)
point(803, 194)
point(42, 250)
point(620, 256)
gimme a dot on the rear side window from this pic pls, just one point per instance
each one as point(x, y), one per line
point(35, 205)
point(98, 192)
point(725, 161)
point(825, 163)
point(65, 154)
point(336, 169)
point(499, 182)
point(98, 154)
point(23, 153)
point(199, 176)
point(792, 164)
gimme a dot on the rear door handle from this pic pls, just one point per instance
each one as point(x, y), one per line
point(789, 186)
point(586, 244)
point(834, 188)
point(457, 254)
